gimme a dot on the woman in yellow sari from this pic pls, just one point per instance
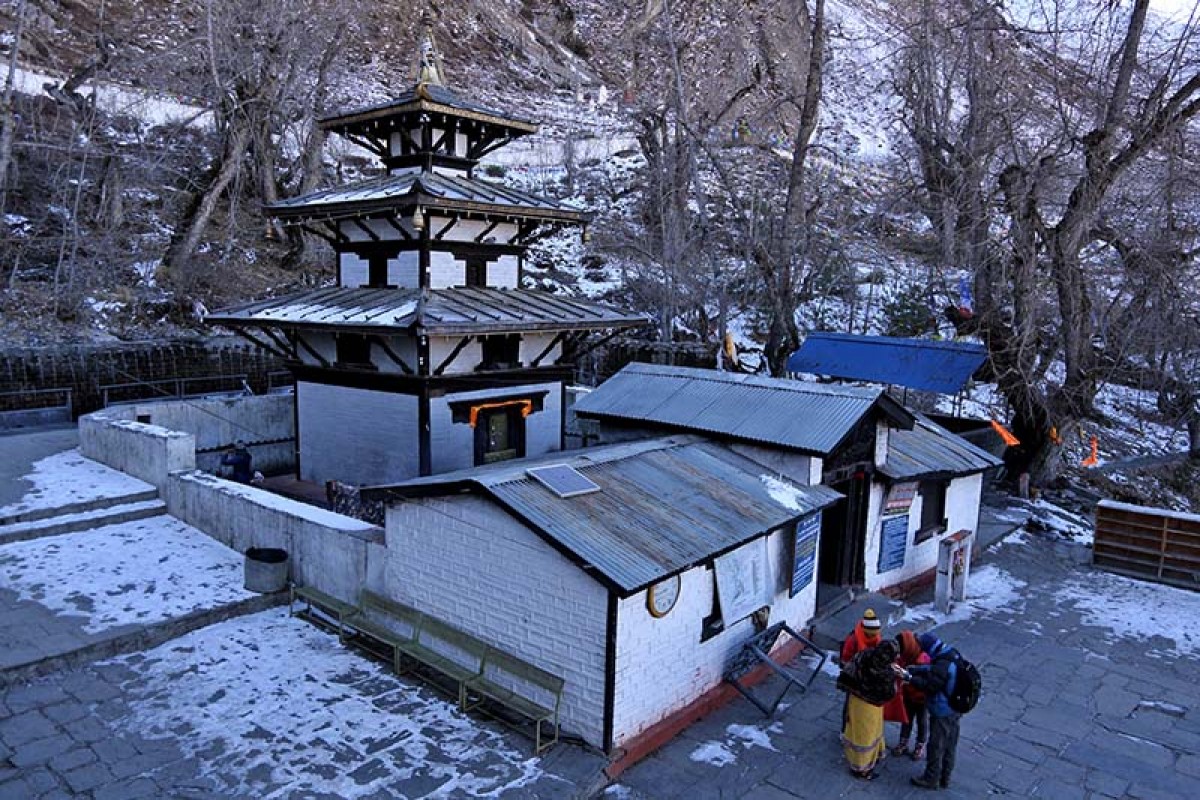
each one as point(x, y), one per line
point(870, 683)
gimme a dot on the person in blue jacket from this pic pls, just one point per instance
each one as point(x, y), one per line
point(936, 679)
point(238, 459)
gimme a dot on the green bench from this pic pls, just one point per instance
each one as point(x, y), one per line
point(476, 672)
point(416, 639)
point(313, 597)
point(519, 686)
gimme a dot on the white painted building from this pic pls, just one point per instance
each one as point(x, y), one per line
point(638, 592)
point(907, 483)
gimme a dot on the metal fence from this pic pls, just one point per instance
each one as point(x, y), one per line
point(174, 389)
point(1149, 543)
point(34, 408)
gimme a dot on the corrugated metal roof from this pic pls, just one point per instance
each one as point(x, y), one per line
point(413, 185)
point(417, 97)
point(802, 416)
point(434, 311)
point(929, 449)
point(917, 363)
point(663, 505)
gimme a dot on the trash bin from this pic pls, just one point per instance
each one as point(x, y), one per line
point(266, 569)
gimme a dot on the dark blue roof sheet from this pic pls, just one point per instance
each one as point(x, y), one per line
point(916, 363)
point(664, 505)
point(799, 415)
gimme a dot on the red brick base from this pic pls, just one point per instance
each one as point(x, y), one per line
point(902, 590)
point(666, 729)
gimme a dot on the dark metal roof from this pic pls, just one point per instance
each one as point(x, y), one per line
point(664, 505)
point(930, 450)
point(917, 363)
point(798, 415)
point(432, 311)
point(427, 97)
point(411, 186)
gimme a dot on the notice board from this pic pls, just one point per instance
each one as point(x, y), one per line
point(804, 556)
point(744, 581)
point(893, 543)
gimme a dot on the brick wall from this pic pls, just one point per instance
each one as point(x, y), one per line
point(468, 563)
point(453, 443)
point(663, 666)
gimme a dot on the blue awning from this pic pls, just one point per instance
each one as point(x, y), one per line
point(916, 363)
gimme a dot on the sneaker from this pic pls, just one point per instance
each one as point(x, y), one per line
point(900, 749)
point(923, 783)
point(918, 752)
point(865, 776)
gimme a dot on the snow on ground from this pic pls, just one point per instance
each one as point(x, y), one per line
point(989, 588)
point(137, 572)
point(1162, 616)
point(274, 707)
point(68, 477)
point(1062, 523)
point(740, 738)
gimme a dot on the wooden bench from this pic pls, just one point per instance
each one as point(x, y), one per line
point(519, 686)
point(392, 624)
point(330, 605)
point(451, 653)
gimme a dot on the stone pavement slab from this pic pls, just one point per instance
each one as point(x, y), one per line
point(264, 706)
point(1075, 704)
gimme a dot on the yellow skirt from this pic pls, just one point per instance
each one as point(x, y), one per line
point(862, 739)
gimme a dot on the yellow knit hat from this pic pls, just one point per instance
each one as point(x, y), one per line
point(870, 622)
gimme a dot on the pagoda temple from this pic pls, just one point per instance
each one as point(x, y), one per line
point(427, 356)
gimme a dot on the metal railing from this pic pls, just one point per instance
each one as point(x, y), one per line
point(174, 389)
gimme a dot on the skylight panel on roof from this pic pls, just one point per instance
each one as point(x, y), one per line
point(563, 480)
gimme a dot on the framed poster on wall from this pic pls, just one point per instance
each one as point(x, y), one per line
point(744, 581)
point(804, 555)
point(900, 498)
point(893, 543)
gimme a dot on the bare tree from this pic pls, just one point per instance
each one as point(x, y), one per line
point(8, 121)
point(268, 61)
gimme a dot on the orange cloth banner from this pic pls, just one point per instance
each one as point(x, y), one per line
point(1005, 434)
point(526, 409)
point(1094, 458)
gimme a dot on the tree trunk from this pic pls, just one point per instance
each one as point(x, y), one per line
point(8, 120)
point(195, 220)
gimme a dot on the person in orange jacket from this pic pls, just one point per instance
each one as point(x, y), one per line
point(912, 697)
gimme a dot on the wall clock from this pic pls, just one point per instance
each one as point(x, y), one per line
point(661, 597)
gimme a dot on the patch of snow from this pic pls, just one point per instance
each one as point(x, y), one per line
point(66, 478)
point(751, 736)
point(272, 706)
point(989, 589)
point(1133, 609)
point(1061, 522)
point(787, 495)
point(136, 572)
point(713, 753)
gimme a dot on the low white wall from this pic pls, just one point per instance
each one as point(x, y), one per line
point(329, 551)
point(962, 512)
point(148, 452)
point(662, 666)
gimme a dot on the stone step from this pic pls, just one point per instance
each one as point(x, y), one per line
point(78, 508)
point(81, 521)
point(831, 630)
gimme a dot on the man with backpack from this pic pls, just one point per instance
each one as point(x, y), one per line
point(951, 685)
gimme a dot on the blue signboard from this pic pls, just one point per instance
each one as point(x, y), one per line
point(805, 554)
point(893, 543)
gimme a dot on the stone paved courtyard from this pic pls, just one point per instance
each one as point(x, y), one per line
point(1078, 703)
point(1090, 691)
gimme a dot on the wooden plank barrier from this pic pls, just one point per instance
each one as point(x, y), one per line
point(1149, 543)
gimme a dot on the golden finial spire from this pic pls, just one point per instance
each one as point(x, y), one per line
point(429, 58)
